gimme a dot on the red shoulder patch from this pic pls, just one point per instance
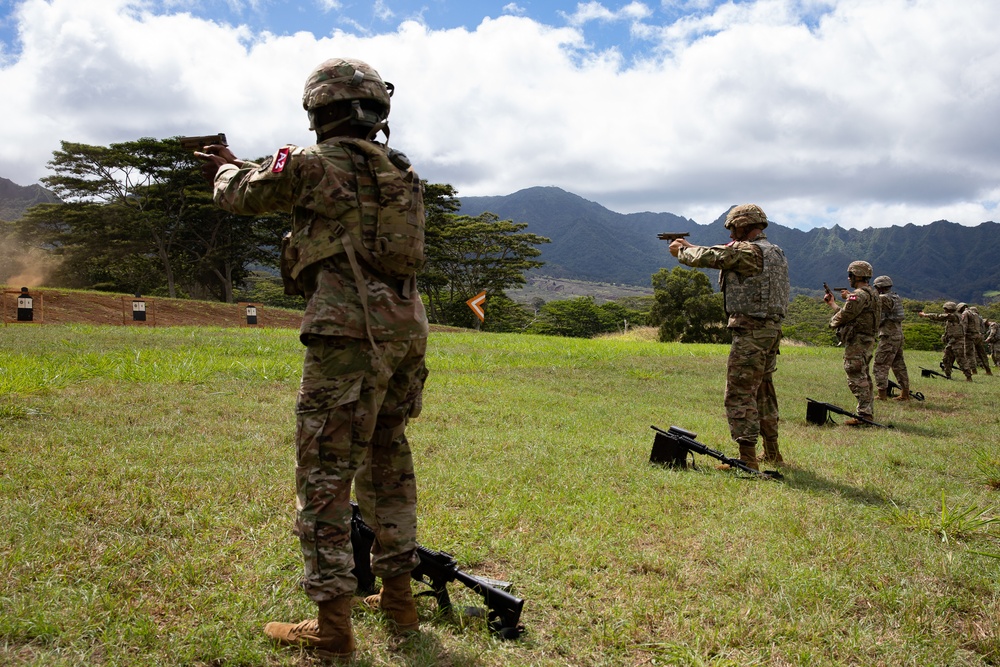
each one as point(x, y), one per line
point(280, 160)
point(853, 297)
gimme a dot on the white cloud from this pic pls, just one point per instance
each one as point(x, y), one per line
point(514, 8)
point(866, 114)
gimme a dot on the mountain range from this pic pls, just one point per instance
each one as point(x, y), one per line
point(940, 260)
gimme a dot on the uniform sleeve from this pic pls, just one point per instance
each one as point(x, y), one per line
point(255, 189)
point(740, 256)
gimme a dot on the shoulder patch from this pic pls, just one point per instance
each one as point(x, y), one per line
point(265, 164)
point(729, 244)
point(853, 297)
point(280, 160)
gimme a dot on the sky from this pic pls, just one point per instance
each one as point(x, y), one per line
point(858, 113)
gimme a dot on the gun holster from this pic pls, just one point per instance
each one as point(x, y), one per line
point(286, 261)
point(668, 452)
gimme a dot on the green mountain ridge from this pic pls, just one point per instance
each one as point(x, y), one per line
point(940, 260)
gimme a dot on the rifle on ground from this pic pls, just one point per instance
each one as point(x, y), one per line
point(672, 236)
point(436, 570)
point(671, 448)
point(927, 372)
point(198, 143)
point(818, 412)
point(892, 386)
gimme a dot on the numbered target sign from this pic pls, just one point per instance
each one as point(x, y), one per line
point(251, 314)
point(138, 311)
point(25, 308)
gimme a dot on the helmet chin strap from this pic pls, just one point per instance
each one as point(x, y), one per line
point(357, 118)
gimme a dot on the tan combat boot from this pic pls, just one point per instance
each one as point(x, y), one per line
point(748, 454)
point(771, 452)
point(882, 394)
point(904, 394)
point(330, 633)
point(396, 601)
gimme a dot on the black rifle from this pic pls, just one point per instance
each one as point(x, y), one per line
point(893, 386)
point(436, 570)
point(818, 412)
point(671, 448)
point(926, 372)
point(672, 236)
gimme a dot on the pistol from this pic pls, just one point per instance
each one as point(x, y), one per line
point(198, 143)
point(672, 236)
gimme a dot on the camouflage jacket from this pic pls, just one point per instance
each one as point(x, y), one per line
point(972, 324)
point(953, 324)
point(892, 315)
point(739, 259)
point(302, 182)
point(859, 316)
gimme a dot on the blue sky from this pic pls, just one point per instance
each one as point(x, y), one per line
point(860, 113)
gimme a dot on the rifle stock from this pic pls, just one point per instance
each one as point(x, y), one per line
point(436, 570)
point(927, 372)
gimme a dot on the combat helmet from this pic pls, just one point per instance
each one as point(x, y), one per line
point(950, 306)
point(346, 80)
point(882, 281)
point(961, 306)
point(860, 269)
point(745, 215)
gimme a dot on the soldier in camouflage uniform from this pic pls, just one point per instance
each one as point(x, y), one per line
point(889, 354)
point(975, 350)
point(953, 339)
point(993, 340)
point(365, 333)
point(857, 323)
point(754, 282)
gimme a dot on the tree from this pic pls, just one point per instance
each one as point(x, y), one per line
point(582, 317)
point(686, 309)
point(466, 255)
point(138, 216)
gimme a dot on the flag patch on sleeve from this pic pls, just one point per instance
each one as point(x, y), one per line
point(280, 160)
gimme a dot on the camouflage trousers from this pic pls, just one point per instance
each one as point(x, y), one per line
point(352, 410)
point(857, 358)
point(889, 355)
point(975, 351)
point(954, 354)
point(751, 402)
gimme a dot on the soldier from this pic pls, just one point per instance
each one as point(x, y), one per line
point(953, 339)
point(889, 353)
point(975, 350)
point(993, 340)
point(355, 246)
point(856, 324)
point(754, 282)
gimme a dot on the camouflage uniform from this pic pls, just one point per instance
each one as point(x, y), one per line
point(363, 376)
point(754, 282)
point(975, 350)
point(857, 323)
point(993, 340)
point(889, 354)
point(954, 342)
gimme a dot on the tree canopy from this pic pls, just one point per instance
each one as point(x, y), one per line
point(686, 309)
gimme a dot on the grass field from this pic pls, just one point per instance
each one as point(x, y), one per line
point(146, 490)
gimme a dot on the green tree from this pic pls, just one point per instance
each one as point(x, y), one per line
point(466, 255)
point(583, 317)
point(686, 309)
point(138, 215)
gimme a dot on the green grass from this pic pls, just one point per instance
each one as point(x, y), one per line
point(146, 487)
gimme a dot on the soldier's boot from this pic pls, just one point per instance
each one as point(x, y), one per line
point(882, 394)
point(330, 633)
point(988, 371)
point(771, 452)
point(904, 394)
point(396, 601)
point(748, 454)
point(860, 422)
